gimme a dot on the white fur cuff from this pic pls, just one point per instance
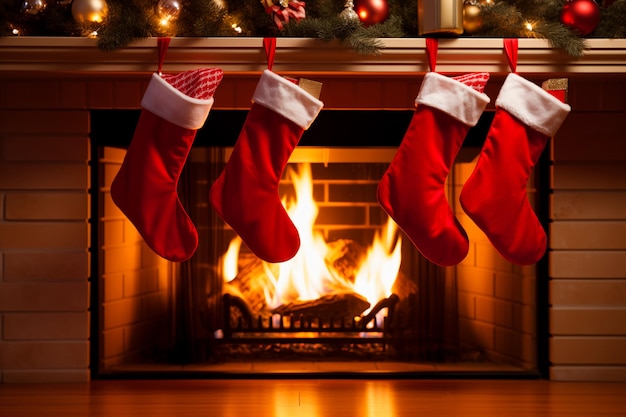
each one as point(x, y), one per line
point(167, 102)
point(532, 105)
point(452, 97)
point(286, 99)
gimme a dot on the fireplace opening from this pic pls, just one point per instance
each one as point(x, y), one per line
point(358, 297)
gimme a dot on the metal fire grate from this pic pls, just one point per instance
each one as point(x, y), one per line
point(289, 328)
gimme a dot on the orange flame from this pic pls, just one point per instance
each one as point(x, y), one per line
point(306, 276)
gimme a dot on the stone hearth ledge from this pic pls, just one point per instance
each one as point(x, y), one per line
point(306, 56)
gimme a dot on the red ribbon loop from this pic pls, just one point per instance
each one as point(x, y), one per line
point(162, 45)
point(510, 49)
point(432, 47)
point(270, 51)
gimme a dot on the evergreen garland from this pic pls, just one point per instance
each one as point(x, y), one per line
point(129, 20)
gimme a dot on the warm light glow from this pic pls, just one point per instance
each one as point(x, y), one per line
point(306, 276)
point(529, 26)
point(236, 28)
point(363, 14)
point(15, 32)
point(164, 22)
point(230, 267)
point(378, 272)
point(95, 17)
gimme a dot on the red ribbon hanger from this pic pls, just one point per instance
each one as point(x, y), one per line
point(510, 49)
point(162, 45)
point(432, 47)
point(270, 51)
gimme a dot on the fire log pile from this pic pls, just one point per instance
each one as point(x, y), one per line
point(343, 258)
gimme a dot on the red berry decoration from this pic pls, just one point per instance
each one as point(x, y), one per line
point(371, 12)
point(581, 15)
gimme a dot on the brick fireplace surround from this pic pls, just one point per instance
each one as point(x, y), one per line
point(48, 86)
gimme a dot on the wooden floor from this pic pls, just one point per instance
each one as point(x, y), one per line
point(314, 398)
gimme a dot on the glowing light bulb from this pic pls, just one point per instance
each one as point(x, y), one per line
point(529, 26)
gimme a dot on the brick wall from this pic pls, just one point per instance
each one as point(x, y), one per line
point(44, 263)
point(44, 235)
point(44, 229)
point(588, 236)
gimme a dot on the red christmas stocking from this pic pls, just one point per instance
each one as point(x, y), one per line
point(245, 195)
point(494, 196)
point(412, 189)
point(145, 188)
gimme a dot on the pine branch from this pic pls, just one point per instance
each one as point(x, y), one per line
point(201, 18)
point(126, 22)
point(324, 8)
point(390, 28)
point(613, 21)
point(406, 10)
point(361, 43)
point(366, 40)
point(502, 20)
point(251, 16)
point(543, 10)
point(327, 29)
point(562, 38)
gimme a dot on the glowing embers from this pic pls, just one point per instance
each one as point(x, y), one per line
point(337, 289)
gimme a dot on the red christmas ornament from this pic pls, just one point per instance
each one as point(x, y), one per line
point(371, 12)
point(581, 15)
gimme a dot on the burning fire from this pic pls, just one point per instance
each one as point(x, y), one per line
point(307, 276)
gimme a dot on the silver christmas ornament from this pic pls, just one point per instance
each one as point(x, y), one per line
point(168, 9)
point(348, 12)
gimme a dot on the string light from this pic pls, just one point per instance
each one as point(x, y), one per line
point(529, 26)
point(236, 28)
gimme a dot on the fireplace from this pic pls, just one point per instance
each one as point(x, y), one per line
point(334, 306)
point(50, 315)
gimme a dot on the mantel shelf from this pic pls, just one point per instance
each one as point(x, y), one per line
point(304, 56)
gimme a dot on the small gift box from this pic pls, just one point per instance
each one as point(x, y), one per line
point(440, 16)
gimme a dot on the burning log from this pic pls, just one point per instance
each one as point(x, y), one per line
point(333, 306)
point(344, 257)
point(251, 283)
point(253, 280)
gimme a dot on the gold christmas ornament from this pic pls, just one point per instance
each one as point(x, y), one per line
point(440, 16)
point(472, 20)
point(168, 10)
point(33, 7)
point(86, 11)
